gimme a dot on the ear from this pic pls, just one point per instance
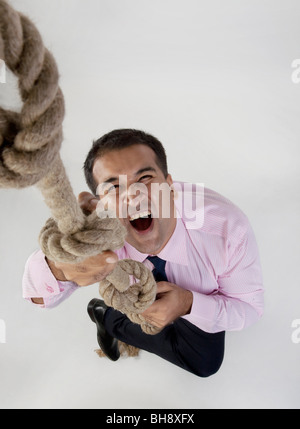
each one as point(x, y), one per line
point(169, 179)
point(174, 192)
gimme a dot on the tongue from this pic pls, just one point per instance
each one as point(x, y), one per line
point(141, 224)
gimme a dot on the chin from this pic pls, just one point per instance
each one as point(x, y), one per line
point(149, 247)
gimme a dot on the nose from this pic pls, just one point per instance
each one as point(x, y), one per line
point(134, 199)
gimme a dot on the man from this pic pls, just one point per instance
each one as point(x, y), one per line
point(208, 274)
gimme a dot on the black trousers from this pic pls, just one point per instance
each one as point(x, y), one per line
point(180, 343)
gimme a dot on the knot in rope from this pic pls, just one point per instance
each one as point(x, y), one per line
point(30, 142)
point(130, 299)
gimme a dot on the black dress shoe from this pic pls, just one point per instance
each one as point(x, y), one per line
point(108, 344)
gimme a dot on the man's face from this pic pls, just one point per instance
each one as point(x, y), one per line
point(134, 175)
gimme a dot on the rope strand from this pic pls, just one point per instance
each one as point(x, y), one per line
point(29, 155)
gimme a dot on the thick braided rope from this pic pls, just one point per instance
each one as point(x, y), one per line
point(133, 299)
point(29, 155)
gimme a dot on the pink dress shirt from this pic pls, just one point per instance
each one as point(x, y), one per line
point(215, 257)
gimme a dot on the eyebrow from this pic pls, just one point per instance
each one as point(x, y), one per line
point(140, 171)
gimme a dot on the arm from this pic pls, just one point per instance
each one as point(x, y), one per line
point(40, 285)
point(239, 301)
point(47, 283)
point(171, 302)
point(58, 275)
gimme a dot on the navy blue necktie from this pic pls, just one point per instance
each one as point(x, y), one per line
point(159, 271)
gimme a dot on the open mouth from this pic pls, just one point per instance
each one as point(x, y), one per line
point(141, 221)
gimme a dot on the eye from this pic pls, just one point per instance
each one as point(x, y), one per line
point(147, 176)
point(112, 188)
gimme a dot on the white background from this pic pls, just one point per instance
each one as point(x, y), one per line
point(212, 80)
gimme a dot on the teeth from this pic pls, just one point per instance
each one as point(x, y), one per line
point(137, 215)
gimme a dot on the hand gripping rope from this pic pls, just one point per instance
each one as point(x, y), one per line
point(30, 143)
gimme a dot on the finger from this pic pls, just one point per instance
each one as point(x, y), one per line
point(151, 311)
point(107, 257)
point(163, 287)
point(87, 202)
point(152, 319)
point(104, 258)
point(110, 257)
point(105, 263)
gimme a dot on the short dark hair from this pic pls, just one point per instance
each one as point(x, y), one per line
point(120, 139)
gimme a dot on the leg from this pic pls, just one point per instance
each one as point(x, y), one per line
point(180, 343)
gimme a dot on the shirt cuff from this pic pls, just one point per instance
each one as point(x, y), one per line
point(202, 312)
point(39, 282)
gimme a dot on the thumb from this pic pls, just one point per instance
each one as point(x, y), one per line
point(163, 286)
point(87, 202)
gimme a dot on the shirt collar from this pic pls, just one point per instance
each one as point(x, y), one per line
point(174, 251)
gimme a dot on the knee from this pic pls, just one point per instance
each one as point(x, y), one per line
point(206, 372)
point(208, 369)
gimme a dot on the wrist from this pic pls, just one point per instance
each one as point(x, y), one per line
point(57, 273)
point(188, 302)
